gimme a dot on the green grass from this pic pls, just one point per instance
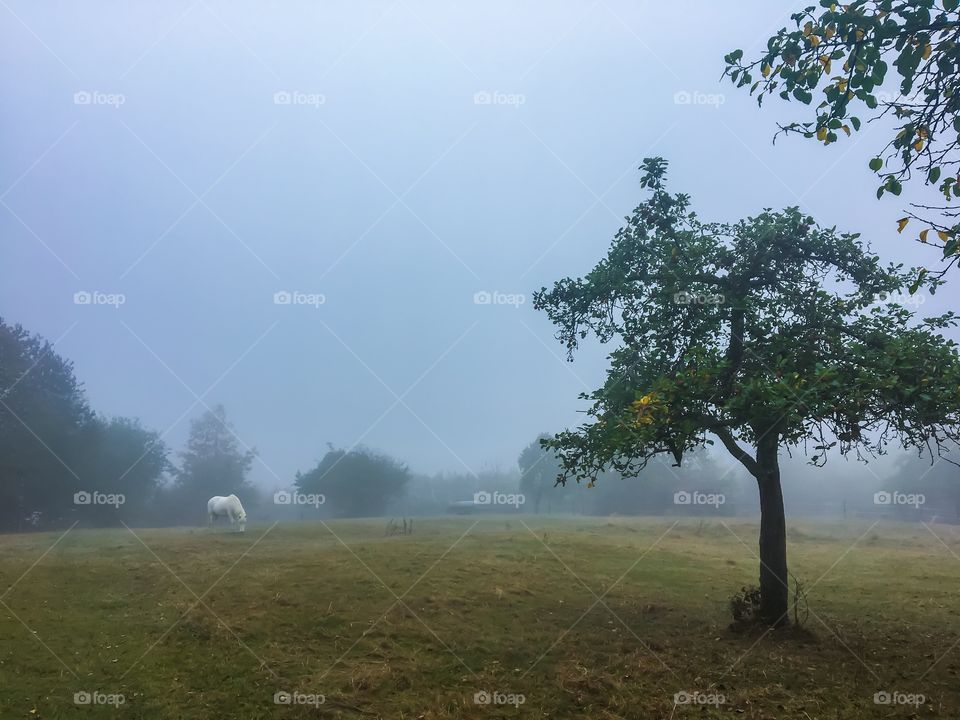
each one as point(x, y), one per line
point(506, 607)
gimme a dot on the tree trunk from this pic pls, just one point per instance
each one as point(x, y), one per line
point(774, 587)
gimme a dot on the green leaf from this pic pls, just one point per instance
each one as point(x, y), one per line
point(876, 164)
point(917, 282)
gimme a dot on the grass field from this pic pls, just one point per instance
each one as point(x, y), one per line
point(583, 618)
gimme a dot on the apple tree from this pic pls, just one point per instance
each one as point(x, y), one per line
point(765, 334)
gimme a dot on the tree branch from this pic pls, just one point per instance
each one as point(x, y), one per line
point(738, 452)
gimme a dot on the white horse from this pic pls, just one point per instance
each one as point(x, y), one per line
point(219, 506)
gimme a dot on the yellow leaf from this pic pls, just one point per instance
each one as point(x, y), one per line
point(822, 134)
point(842, 84)
point(846, 129)
point(765, 70)
point(814, 40)
point(927, 51)
point(830, 31)
point(943, 235)
point(807, 29)
point(859, 35)
point(923, 235)
point(918, 145)
point(901, 224)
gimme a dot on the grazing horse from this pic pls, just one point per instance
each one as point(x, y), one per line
point(219, 506)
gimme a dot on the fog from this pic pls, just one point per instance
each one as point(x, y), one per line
point(282, 432)
point(386, 162)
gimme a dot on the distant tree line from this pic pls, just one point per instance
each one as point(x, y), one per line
point(61, 462)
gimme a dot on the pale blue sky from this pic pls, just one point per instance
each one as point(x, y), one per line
point(181, 180)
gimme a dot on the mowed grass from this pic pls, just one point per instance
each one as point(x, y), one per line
point(586, 618)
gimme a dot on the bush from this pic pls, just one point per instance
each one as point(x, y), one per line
point(745, 606)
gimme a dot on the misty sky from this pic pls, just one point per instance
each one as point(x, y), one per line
point(395, 158)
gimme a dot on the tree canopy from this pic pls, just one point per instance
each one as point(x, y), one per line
point(120, 456)
point(53, 446)
point(213, 462)
point(356, 483)
point(841, 54)
point(43, 410)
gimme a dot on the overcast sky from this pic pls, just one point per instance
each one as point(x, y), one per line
point(392, 159)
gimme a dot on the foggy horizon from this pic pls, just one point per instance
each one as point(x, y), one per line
point(383, 187)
